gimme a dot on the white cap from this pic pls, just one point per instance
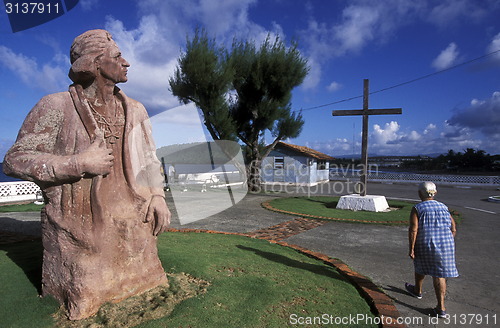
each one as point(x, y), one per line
point(428, 188)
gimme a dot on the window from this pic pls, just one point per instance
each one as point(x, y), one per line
point(279, 162)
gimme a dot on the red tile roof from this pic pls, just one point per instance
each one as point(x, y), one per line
point(306, 151)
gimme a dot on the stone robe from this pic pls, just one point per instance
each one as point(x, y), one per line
point(97, 245)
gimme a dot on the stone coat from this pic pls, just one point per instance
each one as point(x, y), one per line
point(90, 256)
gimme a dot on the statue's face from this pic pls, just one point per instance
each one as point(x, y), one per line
point(112, 66)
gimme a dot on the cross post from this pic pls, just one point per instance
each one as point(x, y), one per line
point(364, 143)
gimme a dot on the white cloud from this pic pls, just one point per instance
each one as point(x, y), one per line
point(392, 139)
point(314, 76)
point(334, 86)
point(476, 126)
point(481, 116)
point(154, 46)
point(451, 11)
point(362, 23)
point(178, 125)
point(219, 17)
point(152, 61)
point(387, 134)
point(339, 146)
point(446, 58)
point(358, 27)
point(430, 128)
point(414, 136)
point(50, 77)
point(495, 43)
point(458, 138)
point(366, 21)
point(495, 46)
point(224, 20)
point(88, 5)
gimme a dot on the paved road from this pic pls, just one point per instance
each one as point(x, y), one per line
point(380, 252)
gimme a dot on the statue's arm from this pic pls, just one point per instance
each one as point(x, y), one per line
point(153, 167)
point(158, 210)
point(34, 156)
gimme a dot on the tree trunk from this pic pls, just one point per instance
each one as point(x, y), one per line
point(253, 173)
point(254, 168)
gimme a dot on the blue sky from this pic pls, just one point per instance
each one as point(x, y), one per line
point(389, 42)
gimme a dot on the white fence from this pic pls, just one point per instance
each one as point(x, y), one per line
point(19, 191)
point(415, 177)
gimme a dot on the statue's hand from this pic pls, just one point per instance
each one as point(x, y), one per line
point(97, 159)
point(159, 212)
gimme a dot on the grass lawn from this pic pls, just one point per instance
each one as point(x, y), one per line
point(324, 207)
point(31, 207)
point(253, 283)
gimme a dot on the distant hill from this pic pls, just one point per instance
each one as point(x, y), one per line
point(358, 156)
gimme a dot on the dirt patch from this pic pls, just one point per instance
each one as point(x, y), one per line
point(153, 304)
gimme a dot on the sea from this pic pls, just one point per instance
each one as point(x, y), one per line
point(5, 178)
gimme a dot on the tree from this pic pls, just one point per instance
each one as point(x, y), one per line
point(204, 76)
point(242, 93)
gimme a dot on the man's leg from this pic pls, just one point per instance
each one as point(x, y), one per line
point(440, 289)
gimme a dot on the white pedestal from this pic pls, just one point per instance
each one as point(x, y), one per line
point(355, 202)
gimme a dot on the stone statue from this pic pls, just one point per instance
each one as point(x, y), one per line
point(91, 152)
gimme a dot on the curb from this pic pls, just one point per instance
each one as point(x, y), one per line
point(268, 206)
point(382, 305)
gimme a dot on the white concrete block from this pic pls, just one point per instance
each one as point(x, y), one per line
point(355, 202)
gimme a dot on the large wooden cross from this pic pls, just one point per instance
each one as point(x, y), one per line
point(364, 145)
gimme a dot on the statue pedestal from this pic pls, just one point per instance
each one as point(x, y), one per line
point(355, 202)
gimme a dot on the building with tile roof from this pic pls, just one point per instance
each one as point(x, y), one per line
point(294, 164)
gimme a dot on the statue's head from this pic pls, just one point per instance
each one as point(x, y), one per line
point(95, 52)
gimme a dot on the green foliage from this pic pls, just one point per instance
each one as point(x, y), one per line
point(20, 273)
point(469, 160)
point(290, 124)
point(203, 76)
point(244, 92)
point(31, 207)
point(263, 81)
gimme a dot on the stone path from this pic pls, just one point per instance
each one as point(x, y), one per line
point(286, 229)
